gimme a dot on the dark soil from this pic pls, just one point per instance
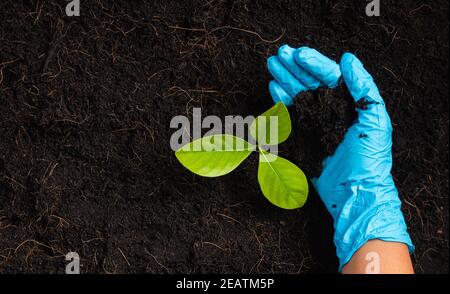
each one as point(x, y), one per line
point(86, 104)
point(323, 118)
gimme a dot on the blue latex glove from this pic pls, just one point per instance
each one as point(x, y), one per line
point(356, 184)
point(297, 70)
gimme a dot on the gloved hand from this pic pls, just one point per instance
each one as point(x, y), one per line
point(297, 70)
point(356, 184)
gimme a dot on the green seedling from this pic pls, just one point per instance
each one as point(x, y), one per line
point(281, 182)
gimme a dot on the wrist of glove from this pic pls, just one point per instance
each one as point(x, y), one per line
point(356, 184)
point(362, 211)
point(365, 217)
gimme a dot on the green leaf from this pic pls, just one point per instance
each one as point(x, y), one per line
point(260, 129)
point(214, 155)
point(282, 182)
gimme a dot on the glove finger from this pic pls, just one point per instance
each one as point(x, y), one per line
point(285, 79)
point(372, 110)
point(286, 55)
point(359, 82)
point(279, 94)
point(318, 65)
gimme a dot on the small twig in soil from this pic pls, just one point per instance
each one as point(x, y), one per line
point(213, 244)
point(392, 73)
point(229, 217)
point(411, 12)
point(16, 182)
point(229, 28)
point(124, 257)
point(418, 211)
point(57, 38)
point(33, 241)
point(249, 32)
point(3, 65)
point(156, 260)
point(38, 11)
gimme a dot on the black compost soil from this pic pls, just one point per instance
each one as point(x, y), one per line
point(85, 110)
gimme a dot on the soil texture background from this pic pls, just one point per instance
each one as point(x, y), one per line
point(85, 110)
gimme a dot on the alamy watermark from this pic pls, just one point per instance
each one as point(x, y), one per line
point(73, 8)
point(73, 267)
point(187, 130)
point(373, 8)
point(373, 263)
